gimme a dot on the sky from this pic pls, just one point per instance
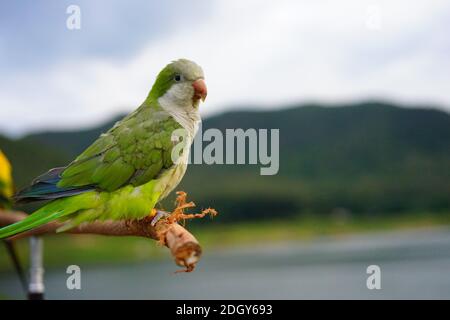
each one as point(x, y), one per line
point(255, 53)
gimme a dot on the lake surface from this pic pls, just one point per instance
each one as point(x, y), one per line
point(414, 265)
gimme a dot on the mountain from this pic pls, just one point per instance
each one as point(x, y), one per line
point(366, 158)
point(73, 142)
point(29, 159)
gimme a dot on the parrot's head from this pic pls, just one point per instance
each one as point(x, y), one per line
point(180, 84)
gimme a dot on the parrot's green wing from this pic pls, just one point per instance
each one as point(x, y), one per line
point(136, 150)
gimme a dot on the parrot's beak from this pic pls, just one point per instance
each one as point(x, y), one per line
point(200, 91)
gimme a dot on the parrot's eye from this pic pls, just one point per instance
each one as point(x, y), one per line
point(177, 77)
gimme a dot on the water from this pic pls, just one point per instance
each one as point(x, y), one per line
point(414, 265)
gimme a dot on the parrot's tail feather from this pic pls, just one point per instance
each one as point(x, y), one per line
point(45, 187)
point(48, 213)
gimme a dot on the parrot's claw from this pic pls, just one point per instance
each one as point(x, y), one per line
point(181, 205)
point(158, 216)
point(177, 215)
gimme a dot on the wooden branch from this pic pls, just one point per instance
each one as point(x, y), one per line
point(182, 244)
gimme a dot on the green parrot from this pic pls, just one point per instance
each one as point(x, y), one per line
point(128, 169)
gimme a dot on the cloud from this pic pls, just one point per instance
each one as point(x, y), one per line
point(36, 33)
point(260, 53)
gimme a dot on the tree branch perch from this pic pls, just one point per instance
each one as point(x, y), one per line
point(182, 244)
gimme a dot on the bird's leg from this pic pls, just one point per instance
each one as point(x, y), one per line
point(163, 221)
point(158, 215)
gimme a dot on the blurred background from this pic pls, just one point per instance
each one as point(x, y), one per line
point(358, 89)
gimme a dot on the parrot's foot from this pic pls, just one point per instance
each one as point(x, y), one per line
point(178, 214)
point(163, 221)
point(181, 205)
point(158, 215)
